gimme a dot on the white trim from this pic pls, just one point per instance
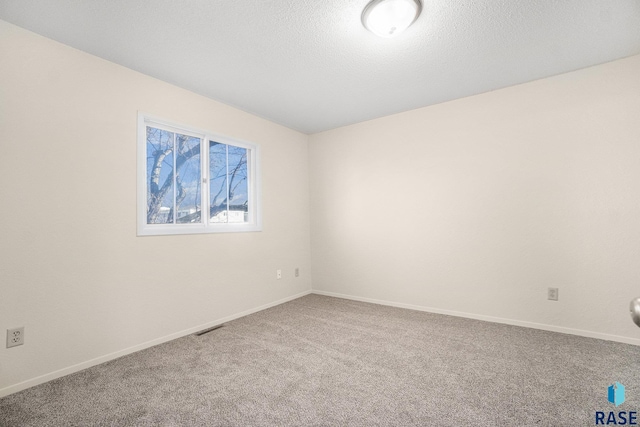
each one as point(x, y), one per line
point(254, 185)
point(525, 324)
point(111, 356)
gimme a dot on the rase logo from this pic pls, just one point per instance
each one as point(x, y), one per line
point(615, 395)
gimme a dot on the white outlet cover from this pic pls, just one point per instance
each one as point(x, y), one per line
point(15, 337)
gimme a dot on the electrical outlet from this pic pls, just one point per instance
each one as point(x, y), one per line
point(15, 337)
point(297, 273)
point(278, 274)
point(552, 294)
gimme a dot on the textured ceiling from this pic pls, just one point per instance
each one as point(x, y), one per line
point(311, 66)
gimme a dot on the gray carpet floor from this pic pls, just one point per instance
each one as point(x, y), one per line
point(321, 361)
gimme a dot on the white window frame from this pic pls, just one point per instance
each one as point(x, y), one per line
point(206, 226)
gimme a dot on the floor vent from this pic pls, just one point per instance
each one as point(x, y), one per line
point(206, 331)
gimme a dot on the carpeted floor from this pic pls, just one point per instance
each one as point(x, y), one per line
point(321, 361)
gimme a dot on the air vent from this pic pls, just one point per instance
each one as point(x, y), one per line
point(206, 331)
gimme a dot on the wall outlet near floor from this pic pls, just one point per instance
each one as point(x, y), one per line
point(278, 274)
point(15, 337)
point(552, 294)
point(297, 272)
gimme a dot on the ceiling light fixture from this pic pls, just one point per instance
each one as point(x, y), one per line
point(387, 18)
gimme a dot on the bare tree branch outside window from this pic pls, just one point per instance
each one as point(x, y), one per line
point(174, 179)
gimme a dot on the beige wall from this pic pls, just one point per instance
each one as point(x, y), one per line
point(476, 206)
point(72, 270)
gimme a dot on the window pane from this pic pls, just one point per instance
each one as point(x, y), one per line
point(159, 176)
point(188, 181)
point(238, 186)
point(218, 182)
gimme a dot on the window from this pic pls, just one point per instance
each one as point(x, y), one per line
point(192, 181)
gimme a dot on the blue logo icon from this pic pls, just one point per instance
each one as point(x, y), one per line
point(616, 393)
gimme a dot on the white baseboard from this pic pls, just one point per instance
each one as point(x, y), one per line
point(98, 360)
point(533, 325)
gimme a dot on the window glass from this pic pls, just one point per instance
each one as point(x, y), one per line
point(229, 183)
point(160, 177)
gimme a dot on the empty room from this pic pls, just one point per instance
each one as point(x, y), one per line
point(418, 213)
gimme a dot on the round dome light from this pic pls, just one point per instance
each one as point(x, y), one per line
point(387, 18)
